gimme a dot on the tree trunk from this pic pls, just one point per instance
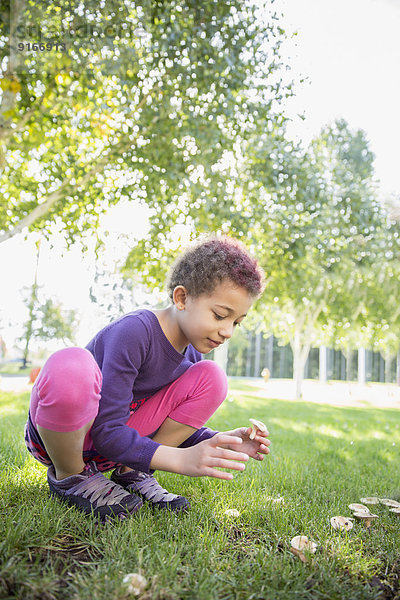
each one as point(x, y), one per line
point(269, 362)
point(31, 309)
point(248, 354)
point(388, 358)
point(221, 356)
point(29, 326)
point(257, 369)
point(361, 366)
point(300, 355)
point(398, 368)
point(348, 354)
point(300, 342)
point(323, 373)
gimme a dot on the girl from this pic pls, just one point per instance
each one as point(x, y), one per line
point(136, 399)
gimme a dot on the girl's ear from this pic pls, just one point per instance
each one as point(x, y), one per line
point(179, 296)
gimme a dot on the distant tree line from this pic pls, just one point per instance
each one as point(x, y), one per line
point(250, 353)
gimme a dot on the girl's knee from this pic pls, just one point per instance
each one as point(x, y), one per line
point(212, 373)
point(70, 376)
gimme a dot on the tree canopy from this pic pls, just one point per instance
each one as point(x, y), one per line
point(144, 103)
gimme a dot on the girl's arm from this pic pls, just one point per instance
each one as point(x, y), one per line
point(203, 459)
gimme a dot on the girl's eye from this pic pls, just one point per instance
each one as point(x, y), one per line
point(218, 317)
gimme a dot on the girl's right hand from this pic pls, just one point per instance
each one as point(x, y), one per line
point(203, 459)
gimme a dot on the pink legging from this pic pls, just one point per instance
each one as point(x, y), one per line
point(67, 391)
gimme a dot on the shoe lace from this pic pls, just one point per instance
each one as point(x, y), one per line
point(99, 490)
point(149, 487)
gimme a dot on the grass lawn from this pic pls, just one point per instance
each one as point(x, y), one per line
point(322, 459)
point(12, 369)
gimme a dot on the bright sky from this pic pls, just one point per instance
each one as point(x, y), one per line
point(350, 52)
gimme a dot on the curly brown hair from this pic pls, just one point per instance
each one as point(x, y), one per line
point(206, 264)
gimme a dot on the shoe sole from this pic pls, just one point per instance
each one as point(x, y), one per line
point(102, 512)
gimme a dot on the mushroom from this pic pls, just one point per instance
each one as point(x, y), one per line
point(395, 510)
point(359, 508)
point(232, 512)
point(366, 517)
point(370, 500)
point(342, 523)
point(257, 426)
point(301, 544)
point(389, 502)
point(135, 583)
point(277, 500)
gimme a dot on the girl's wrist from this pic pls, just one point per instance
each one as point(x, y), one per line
point(167, 458)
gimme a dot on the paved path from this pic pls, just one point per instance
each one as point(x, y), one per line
point(335, 393)
point(14, 383)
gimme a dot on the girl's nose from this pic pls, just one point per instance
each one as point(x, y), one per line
point(226, 331)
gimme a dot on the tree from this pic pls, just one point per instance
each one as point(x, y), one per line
point(31, 300)
point(54, 322)
point(238, 351)
point(144, 100)
point(48, 321)
point(367, 314)
point(323, 240)
point(383, 293)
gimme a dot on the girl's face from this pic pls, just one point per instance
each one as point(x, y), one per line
point(210, 319)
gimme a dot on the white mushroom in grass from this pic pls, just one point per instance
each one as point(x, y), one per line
point(366, 517)
point(359, 508)
point(277, 500)
point(300, 544)
point(370, 500)
point(395, 510)
point(389, 502)
point(232, 512)
point(135, 583)
point(342, 523)
point(257, 426)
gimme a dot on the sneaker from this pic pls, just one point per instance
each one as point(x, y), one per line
point(91, 492)
point(146, 486)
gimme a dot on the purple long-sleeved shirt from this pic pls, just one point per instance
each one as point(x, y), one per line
point(136, 360)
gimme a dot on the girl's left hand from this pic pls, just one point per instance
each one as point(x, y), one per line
point(254, 448)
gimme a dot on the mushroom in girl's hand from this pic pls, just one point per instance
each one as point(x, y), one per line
point(389, 502)
point(257, 426)
point(135, 583)
point(366, 517)
point(342, 523)
point(359, 508)
point(301, 544)
point(370, 500)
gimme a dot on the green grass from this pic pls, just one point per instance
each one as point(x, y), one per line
point(14, 369)
point(322, 459)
